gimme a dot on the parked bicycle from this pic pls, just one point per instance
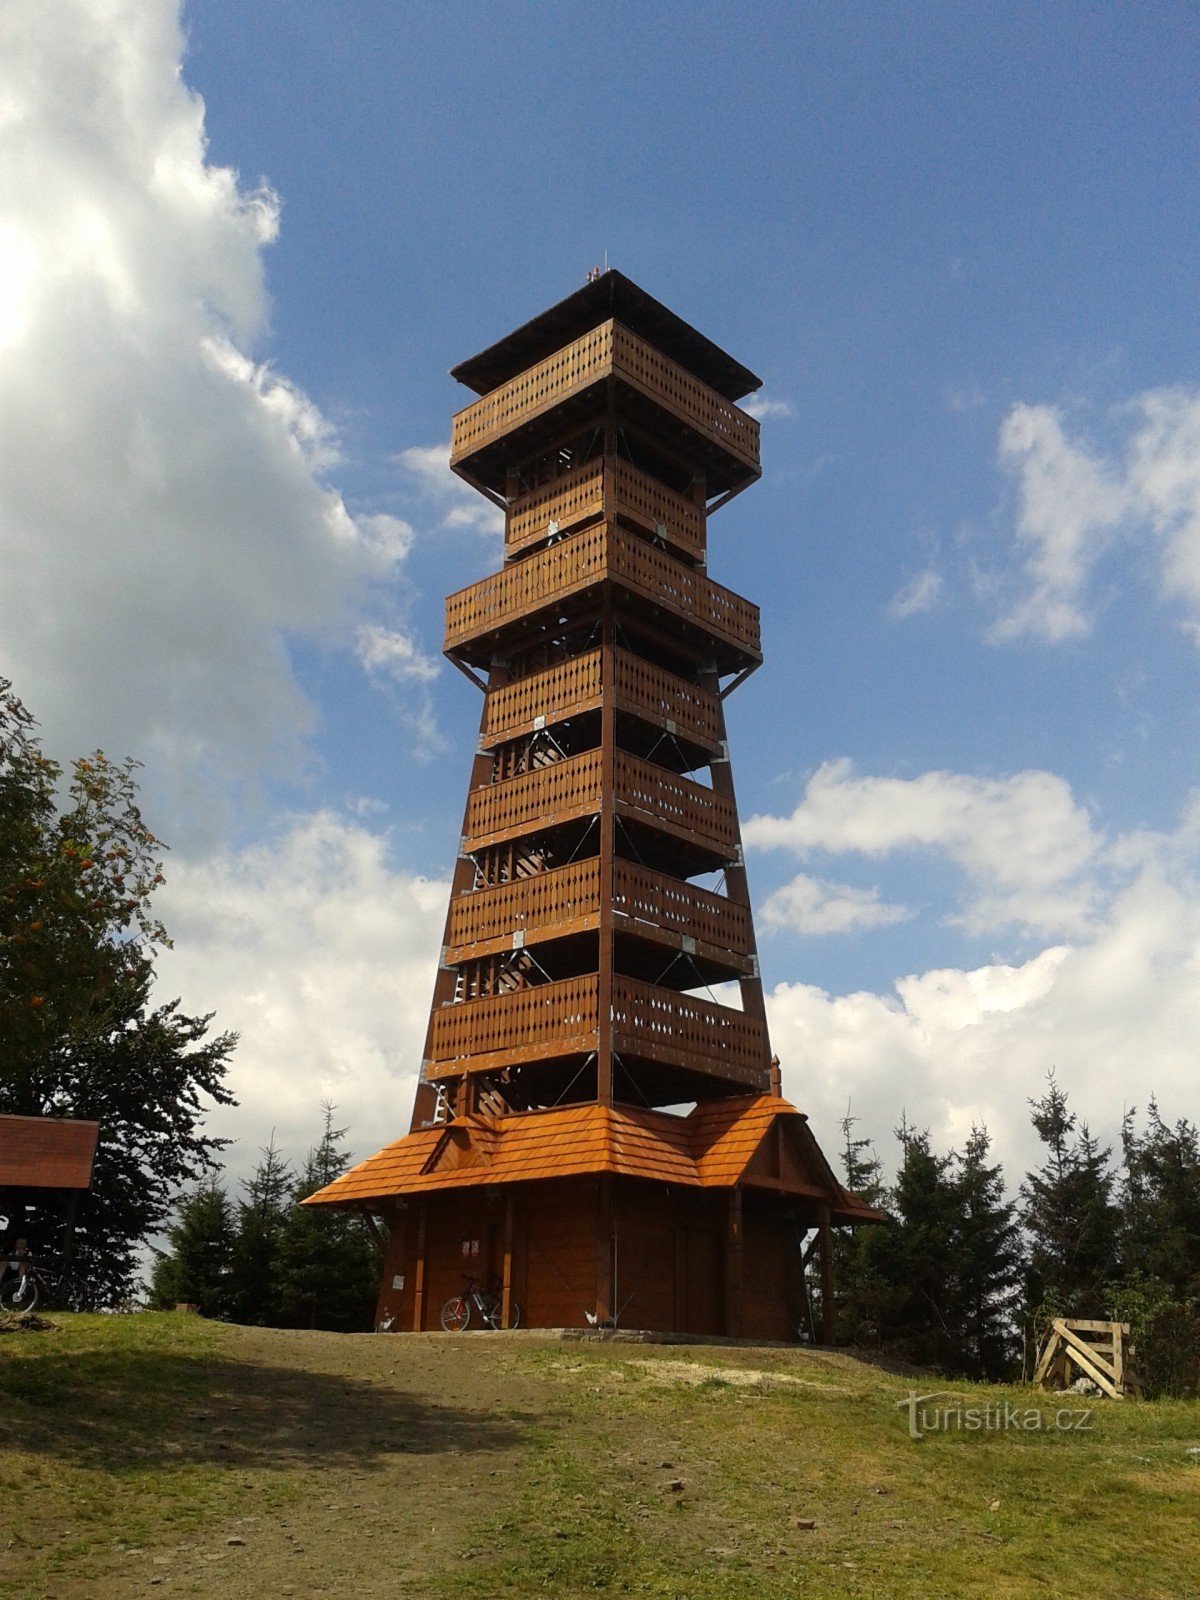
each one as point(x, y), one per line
point(476, 1302)
point(40, 1285)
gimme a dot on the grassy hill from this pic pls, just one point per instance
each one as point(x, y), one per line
point(158, 1454)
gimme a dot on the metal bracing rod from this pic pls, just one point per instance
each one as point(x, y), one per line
point(739, 680)
point(467, 673)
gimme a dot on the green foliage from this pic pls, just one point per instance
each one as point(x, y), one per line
point(261, 1216)
point(327, 1266)
point(197, 1272)
point(269, 1259)
point(937, 1282)
point(79, 1035)
point(1069, 1215)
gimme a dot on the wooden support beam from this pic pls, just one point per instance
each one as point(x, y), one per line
point(825, 1237)
point(604, 1252)
point(506, 1295)
point(734, 1267)
point(419, 1267)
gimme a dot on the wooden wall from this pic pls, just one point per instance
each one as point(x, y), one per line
point(666, 1257)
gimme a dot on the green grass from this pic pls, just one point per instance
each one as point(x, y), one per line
point(143, 1431)
point(99, 1446)
point(1112, 1511)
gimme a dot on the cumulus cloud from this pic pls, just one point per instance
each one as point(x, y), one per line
point(321, 955)
point(1022, 842)
point(812, 906)
point(168, 526)
point(920, 593)
point(1116, 1016)
point(455, 503)
point(1078, 503)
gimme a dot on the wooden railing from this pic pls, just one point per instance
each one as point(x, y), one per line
point(551, 795)
point(644, 899)
point(607, 351)
point(574, 498)
point(550, 576)
point(663, 799)
point(569, 789)
point(660, 1025)
point(553, 1019)
point(592, 491)
point(567, 900)
point(563, 690)
point(662, 697)
point(573, 686)
point(558, 1019)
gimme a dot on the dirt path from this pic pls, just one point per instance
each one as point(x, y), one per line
point(363, 1461)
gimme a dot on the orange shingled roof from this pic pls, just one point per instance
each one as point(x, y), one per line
point(712, 1147)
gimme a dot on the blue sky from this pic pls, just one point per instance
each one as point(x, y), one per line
point(958, 245)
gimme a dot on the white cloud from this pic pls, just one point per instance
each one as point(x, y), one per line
point(812, 906)
point(1078, 504)
point(921, 593)
point(761, 407)
point(1115, 1015)
point(458, 505)
point(1022, 842)
point(1164, 479)
point(1070, 503)
point(167, 526)
point(322, 956)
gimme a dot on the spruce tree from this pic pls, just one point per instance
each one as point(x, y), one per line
point(862, 1285)
point(261, 1215)
point(197, 1270)
point(989, 1262)
point(327, 1264)
point(922, 1263)
point(1069, 1215)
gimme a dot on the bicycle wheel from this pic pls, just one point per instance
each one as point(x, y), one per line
point(456, 1314)
point(19, 1294)
point(514, 1315)
point(67, 1295)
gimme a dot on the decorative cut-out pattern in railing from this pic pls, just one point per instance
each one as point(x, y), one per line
point(566, 900)
point(518, 591)
point(573, 686)
point(661, 1025)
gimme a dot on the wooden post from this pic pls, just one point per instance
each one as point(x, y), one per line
point(604, 1244)
point(506, 1281)
point(734, 1267)
point(825, 1247)
point(608, 824)
point(419, 1268)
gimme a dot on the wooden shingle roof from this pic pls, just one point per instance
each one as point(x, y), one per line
point(717, 1146)
point(47, 1153)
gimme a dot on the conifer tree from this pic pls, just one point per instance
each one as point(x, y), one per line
point(1068, 1212)
point(327, 1263)
point(989, 1262)
point(197, 1270)
point(862, 1284)
point(261, 1216)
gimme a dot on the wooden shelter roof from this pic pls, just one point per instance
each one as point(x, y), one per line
point(610, 295)
point(47, 1153)
point(720, 1144)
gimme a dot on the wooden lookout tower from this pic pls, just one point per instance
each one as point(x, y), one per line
point(599, 894)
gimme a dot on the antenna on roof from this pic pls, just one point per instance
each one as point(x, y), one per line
point(606, 260)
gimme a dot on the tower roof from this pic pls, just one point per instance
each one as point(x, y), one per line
point(610, 295)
